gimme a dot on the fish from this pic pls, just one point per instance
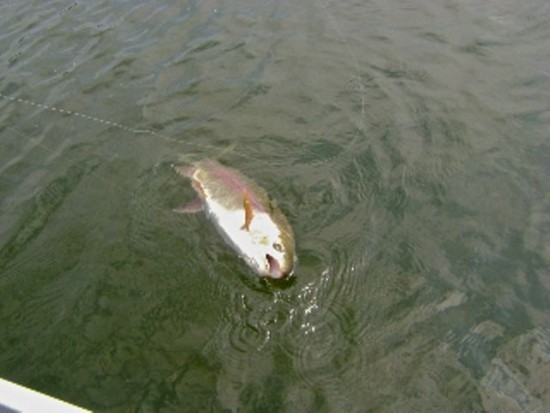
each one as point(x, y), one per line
point(244, 214)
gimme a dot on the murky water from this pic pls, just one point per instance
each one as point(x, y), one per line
point(407, 143)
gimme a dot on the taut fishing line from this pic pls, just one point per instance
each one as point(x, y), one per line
point(358, 78)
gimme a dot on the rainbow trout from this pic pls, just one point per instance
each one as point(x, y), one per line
point(244, 215)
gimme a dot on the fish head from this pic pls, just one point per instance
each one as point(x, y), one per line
point(273, 252)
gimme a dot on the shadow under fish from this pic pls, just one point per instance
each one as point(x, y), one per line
point(244, 215)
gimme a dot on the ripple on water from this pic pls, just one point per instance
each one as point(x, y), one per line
point(243, 347)
point(320, 337)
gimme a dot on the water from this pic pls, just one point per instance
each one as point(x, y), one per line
point(407, 144)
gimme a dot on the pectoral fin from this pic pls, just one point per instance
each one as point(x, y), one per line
point(190, 208)
point(248, 213)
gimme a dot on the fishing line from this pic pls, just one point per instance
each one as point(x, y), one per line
point(359, 77)
point(107, 122)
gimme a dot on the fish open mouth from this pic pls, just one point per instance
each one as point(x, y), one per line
point(274, 267)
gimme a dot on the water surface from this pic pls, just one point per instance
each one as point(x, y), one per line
point(407, 144)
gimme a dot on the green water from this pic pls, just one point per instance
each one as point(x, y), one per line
point(407, 144)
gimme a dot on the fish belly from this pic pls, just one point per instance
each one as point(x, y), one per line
point(229, 223)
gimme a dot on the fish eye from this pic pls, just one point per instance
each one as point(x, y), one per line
point(277, 247)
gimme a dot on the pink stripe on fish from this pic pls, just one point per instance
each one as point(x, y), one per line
point(236, 182)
